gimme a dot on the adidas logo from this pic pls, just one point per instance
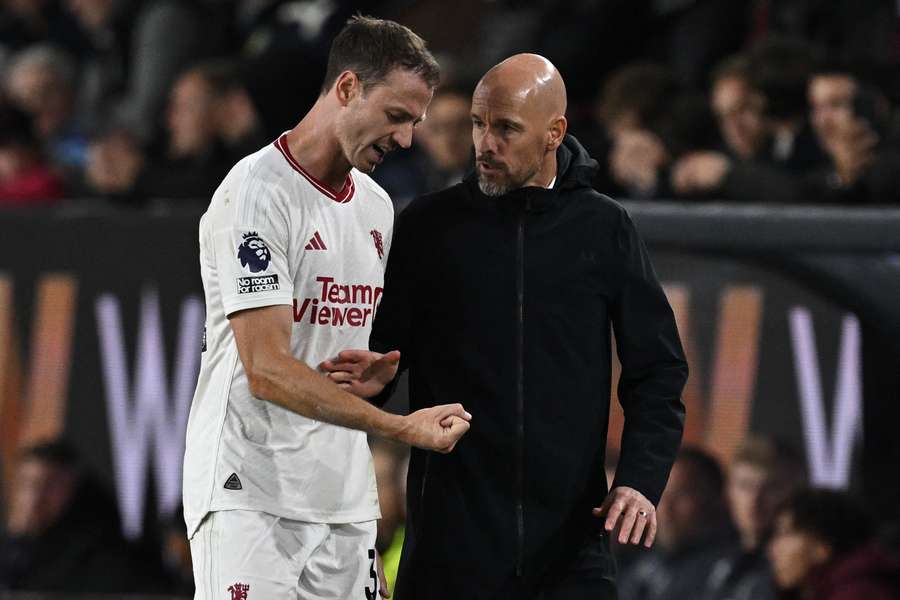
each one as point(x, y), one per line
point(233, 482)
point(316, 243)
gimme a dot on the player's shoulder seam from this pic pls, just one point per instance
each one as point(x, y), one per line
point(261, 185)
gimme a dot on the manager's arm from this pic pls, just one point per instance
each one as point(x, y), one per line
point(654, 372)
point(263, 337)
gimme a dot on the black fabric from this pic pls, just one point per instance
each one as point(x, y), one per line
point(451, 306)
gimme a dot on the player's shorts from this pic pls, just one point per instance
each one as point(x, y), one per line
point(249, 555)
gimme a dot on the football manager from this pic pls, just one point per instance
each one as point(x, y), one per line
point(504, 291)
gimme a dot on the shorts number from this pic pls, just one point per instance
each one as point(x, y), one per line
point(373, 593)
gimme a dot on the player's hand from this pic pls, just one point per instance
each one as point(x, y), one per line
point(361, 372)
point(635, 515)
point(437, 428)
point(383, 590)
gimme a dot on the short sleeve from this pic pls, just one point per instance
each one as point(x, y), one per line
point(251, 252)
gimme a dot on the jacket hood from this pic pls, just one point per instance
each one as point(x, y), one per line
point(575, 169)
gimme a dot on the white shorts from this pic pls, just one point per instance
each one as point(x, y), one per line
point(249, 555)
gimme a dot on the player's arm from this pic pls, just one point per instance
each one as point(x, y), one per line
point(263, 337)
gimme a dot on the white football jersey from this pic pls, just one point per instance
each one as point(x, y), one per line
point(273, 234)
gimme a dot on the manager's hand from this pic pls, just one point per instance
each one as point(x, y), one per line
point(361, 372)
point(635, 514)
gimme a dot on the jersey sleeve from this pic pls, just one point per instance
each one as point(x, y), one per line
point(252, 250)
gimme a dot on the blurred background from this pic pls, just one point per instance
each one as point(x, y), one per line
point(755, 142)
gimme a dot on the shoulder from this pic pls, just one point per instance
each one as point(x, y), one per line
point(593, 201)
point(436, 204)
point(366, 185)
point(256, 185)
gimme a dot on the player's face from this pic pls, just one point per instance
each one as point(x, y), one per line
point(382, 118)
point(510, 140)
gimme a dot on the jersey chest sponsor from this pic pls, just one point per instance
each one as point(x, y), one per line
point(337, 304)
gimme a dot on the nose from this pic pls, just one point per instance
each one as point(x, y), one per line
point(403, 137)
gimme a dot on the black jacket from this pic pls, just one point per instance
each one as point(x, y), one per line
point(505, 304)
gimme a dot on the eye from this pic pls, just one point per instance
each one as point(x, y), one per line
point(477, 123)
point(395, 118)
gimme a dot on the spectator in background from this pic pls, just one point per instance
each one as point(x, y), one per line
point(62, 532)
point(762, 474)
point(25, 177)
point(236, 120)
point(137, 48)
point(446, 136)
point(41, 80)
point(27, 22)
point(189, 167)
point(738, 108)
point(115, 161)
point(823, 549)
point(850, 119)
point(694, 533)
point(859, 167)
point(633, 108)
point(780, 69)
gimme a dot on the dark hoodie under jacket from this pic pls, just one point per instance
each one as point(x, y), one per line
point(504, 304)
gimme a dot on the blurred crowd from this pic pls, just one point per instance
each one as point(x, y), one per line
point(754, 530)
point(126, 102)
point(757, 531)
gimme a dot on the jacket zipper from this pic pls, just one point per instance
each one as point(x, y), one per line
point(520, 392)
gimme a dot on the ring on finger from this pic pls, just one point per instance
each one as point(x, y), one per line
point(642, 513)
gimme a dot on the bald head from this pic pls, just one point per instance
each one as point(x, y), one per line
point(518, 123)
point(529, 81)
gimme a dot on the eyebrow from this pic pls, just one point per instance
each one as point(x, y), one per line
point(502, 121)
point(509, 123)
point(404, 114)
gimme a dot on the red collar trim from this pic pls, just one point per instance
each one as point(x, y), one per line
point(343, 196)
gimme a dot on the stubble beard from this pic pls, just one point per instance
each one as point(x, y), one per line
point(494, 189)
point(490, 188)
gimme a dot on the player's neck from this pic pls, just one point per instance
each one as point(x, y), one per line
point(313, 144)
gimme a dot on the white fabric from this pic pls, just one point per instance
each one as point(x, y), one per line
point(256, 556)
point(273, 235)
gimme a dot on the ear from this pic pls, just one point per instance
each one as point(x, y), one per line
point(347, 87)
point(556, 133)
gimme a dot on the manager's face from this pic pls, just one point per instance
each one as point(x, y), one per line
point(510, 138)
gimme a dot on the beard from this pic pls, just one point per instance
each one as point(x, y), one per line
point(491, 188)
point(511, 183)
